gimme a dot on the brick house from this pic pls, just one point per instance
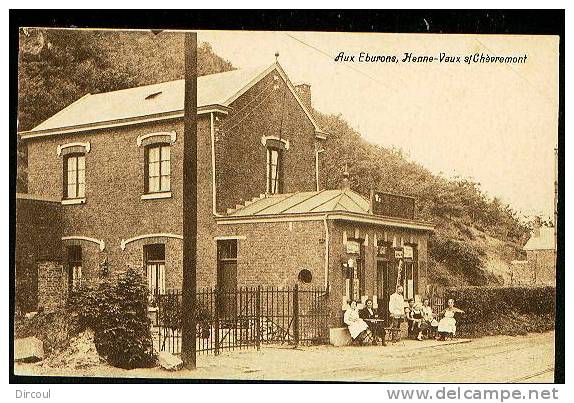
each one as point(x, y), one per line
point(541, 254)
point(112, 162)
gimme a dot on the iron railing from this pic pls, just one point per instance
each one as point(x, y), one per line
point(244, 318)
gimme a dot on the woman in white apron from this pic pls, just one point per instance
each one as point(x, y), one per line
point(447, 325)
point(353, 321)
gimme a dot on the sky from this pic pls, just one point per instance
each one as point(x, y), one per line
point(494, 123)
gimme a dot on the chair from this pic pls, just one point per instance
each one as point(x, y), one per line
point(393, 334)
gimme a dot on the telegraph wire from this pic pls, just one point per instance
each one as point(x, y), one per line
point(331, 57)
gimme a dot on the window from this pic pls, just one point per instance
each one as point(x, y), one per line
point(305, 276)
point(74, 267)
point(274, 177)
point(354, 286)
point(157, 165)
point(154, 256)
point(75, 176)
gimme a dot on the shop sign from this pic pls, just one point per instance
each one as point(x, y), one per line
point(392, 205)
point(399, 254)
point(383, 251)
point(353, 247)
point(408, 252)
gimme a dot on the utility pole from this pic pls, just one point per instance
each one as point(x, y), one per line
point(189, 286)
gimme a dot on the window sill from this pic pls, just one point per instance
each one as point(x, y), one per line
point(160, 195)
point(73, 201)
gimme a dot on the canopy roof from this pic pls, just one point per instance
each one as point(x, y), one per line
point(339, 205)
point(305, 202)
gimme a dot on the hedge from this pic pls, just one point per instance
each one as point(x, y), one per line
point(503, 310)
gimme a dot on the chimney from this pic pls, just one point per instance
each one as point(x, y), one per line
point(537, 224)
point(304, 92)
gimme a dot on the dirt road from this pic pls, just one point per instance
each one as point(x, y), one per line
point(488, 359)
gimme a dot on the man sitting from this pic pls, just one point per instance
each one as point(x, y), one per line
point(377, 328)
point(412, 322)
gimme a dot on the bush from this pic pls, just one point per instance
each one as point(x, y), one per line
point(461, 256)
point(118, 315)
point(170, 315)
point(504, 310)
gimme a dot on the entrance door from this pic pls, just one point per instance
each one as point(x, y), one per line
point(383, 288)
point(227, 278)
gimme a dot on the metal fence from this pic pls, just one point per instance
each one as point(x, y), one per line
point(437, 303)
point(244, 318)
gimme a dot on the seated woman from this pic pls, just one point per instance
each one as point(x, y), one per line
point(420, 326)
point(447, 325)
point(357, 326)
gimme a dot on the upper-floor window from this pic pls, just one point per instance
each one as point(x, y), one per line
point(274, 174)
point(75, 176)
point(158, 170)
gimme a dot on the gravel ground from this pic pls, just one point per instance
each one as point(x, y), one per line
point(489, 359)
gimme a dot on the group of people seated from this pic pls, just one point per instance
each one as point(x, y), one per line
point(365, 324)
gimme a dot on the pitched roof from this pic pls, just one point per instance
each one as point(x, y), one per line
point(543, 242)
point(213, 89)
point(131, 104)
point(344, 205)
point(304, 202)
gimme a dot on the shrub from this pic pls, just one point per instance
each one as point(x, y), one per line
point(504, 310)
point(170, 314)
point(461, 256)
point(118, 315)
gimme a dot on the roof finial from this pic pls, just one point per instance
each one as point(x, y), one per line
point(276, 56)
point(345, 185)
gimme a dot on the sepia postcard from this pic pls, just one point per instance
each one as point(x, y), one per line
point(286, 205)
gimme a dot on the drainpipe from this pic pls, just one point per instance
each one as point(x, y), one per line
point(325, 223)
point(213, 188)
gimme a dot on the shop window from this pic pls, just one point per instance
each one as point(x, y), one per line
point(74, 267)
point(74, 176)
point(305, 276)
point(157, 168)
point(154, 256)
